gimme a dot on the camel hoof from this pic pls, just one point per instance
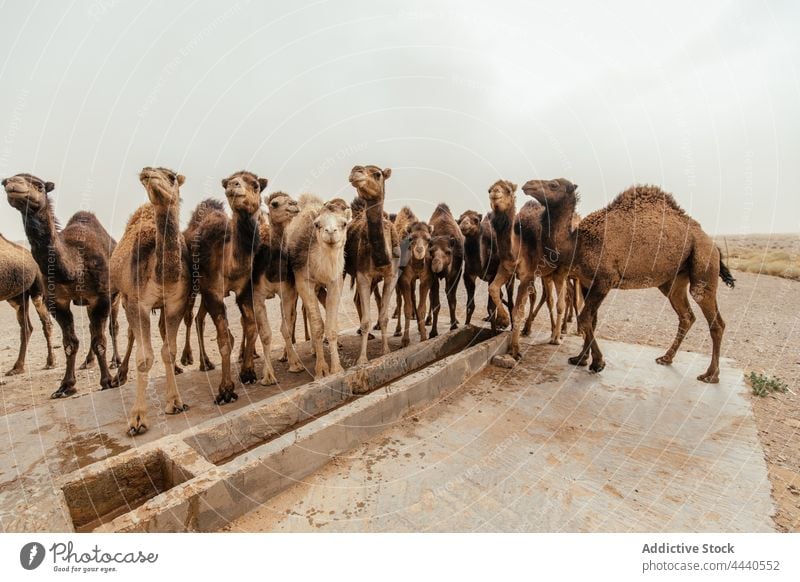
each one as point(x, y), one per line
point(597, 367)
point(577, 361)
point(178, 370)
point(225, 396)
point(376, 327)
point(176, 408)
point(405, 342)
point(709, 378)
point(453, 326)
point(63, 392)
point(434, 333)
point(109, 383)
point(248, 377)
point(362, 361)
point(297, 368)
point(397, 333)
point(15, 371)
point(336, 370)
point(137, 426)
point(556, 341)
point(206, 366)
point(664, 361)
point(321, 372)
point(269, 379)
point(49, 366)
point(526, 332)
point(187, 359)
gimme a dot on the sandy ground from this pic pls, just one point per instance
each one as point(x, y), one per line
point(763, 334)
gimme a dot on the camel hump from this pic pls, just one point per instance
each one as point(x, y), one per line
point(442, 208)
point(84, 218)
point(635, 197)
point(201, 210)
point(308, 199)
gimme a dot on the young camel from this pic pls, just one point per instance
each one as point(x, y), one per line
point(373, 252)
point(21, 279)
point(316, 240)
point(74, 264)
point(642, 239)
point(402, 221)
point(447, 260)
point(225, 247)
point(418, 268)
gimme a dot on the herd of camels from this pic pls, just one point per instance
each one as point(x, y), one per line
point(305, 249)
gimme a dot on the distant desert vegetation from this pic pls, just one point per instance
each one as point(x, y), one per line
point(767, 254)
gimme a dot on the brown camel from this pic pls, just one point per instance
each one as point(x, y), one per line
point(225, 247)
point(150, 269)
point(272, 277)
point(496, 239)
point(471, 224)
point(21, 279)
point(373, 251)
point(418, 268)
point(447, 262)
point(402, 221)
point(642, 239)
point(315, 240)
point(74, 264)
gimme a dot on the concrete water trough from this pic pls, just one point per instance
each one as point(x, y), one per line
point(200, 478)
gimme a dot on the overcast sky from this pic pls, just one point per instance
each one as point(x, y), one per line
point(700, 97)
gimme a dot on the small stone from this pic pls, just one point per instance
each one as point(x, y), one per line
point(504, 361)
point(793, 422)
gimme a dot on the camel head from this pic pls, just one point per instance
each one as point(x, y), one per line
point(370, 181)
point(282, 208)
point(442, 252)
point(420, 235)
point(470, 223)
point(501, 196)
point(162, 185)
point(243, 191)
point(331, 223)
point(550, 192)
point(27, 193)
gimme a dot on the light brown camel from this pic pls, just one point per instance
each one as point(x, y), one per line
point(150, 269)
point(21, 279)
point(225, 246)
point(642, 239)
point(316, 240)
point(447, 263)
point(74, 265)
point(418, 268)
point(373, 251)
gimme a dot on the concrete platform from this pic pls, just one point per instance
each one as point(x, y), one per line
point(545, 447)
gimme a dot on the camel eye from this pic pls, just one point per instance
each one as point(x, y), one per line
point(274, 204)
point(554, 185)
point(377, 175)
point(172, 178)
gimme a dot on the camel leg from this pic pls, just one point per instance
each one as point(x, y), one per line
point(289, 297)
point(162, 329)
point(99, 310)
point(404, 287)
point(389, 285)
point(436, 306)
point(200, 324)
point(587, 321)
point(363, 284)
point(70, 342)
point(139, 322)
point(113, 331)
point(532, 313)
point(47, 329)
point(500, 318)
point(169, 354)
point(398, 310)
point(421, 306)
point(122, 371)
point(265, 333)
point(452, 300)
point(311, 304)
point(523, 297)
point(247, 373)
point(378, 300)
point(216, 309)
point(559, 289)
point(332, 300)
point(469, 284)
point(675, 291)
point(707, 300)
point(20, 305)
point(187, 358)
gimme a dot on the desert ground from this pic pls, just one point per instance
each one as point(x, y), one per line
point(762, 335)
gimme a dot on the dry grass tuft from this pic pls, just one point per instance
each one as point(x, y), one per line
point(776, 255)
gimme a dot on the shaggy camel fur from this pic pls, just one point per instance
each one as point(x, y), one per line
point(74, 264)
point(402, 222)
point(471, 225)
point(150, 269)
point(418, 268)
point(642, 239)
point(373, 252)
point(447, 260)
point(272, 277)
point(224, 247)
point(21, 279)
point(316, 240)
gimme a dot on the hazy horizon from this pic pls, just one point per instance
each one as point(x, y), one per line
point(702, 99)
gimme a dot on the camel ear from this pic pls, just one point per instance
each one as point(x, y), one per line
point(5, 180)
point(512, 186)
point(181, 179)
point(225, 183)
point(387, 173)
point(348, 215)
point(48, 186)
point(262, 183)
point(452, 241)
point(480, 217)
point(571, 188)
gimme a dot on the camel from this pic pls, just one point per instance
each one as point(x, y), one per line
point(150, 269)
point(225, 247)
point(74, 264)
point(20, 279)
point(316, 239)
point(642, 239)
point(470, 223)
point(418, 268)
point(447, 261)
point(273, 277)
point(373, 252)
point(402, 221)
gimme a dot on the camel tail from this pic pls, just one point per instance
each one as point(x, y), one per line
point(725, 274)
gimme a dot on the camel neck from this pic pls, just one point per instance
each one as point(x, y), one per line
point(245, 230)
point(168, 243)
point(557, 234)
point(377, 243)
point(47, 247)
